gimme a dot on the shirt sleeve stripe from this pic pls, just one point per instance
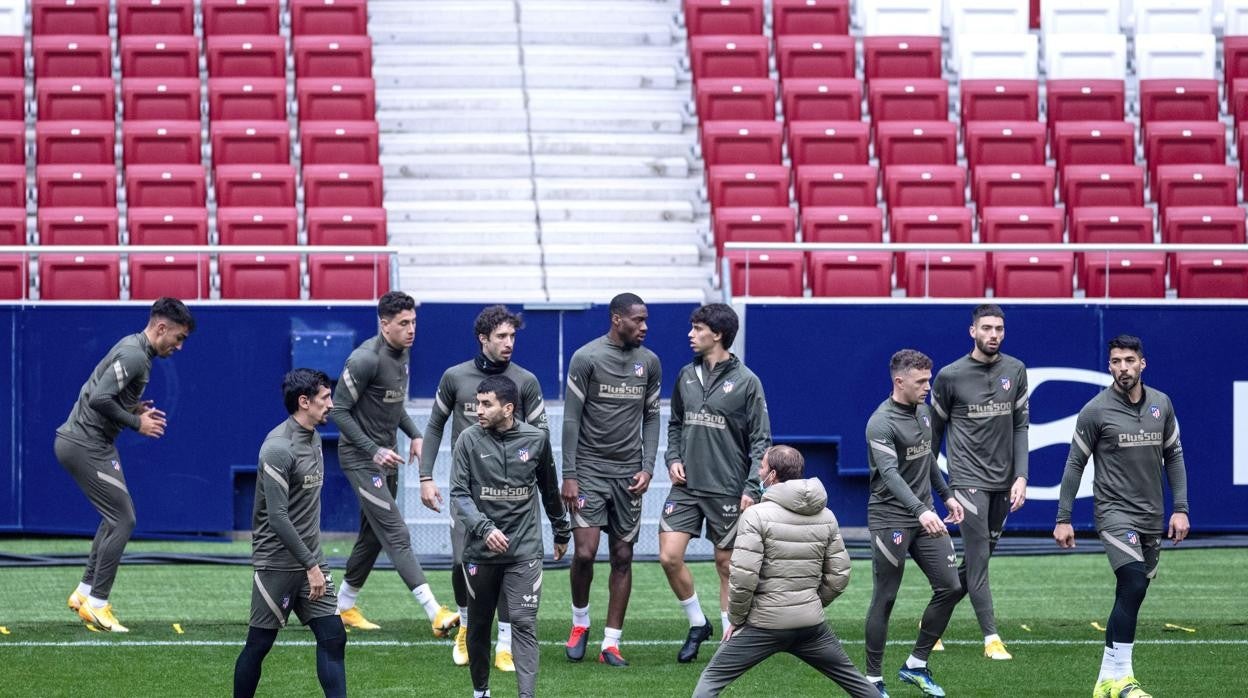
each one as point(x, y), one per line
point(1082, 446)
point(936, 406)
point(536, 411)
point(576, 389)
point(441, 405)
point(883, 449)
point(272, 472)
point(350, 381)
point(1173, 437)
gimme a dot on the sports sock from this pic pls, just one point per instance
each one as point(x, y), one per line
point(992, 638)
point(84, 588)
point(723, 619)
point(876, 679)
point(580, 616)
point(611, 638)
point(481, 694)
point(424, 595)
point(693, 611)
point(463, 617)
point(913, 662)
point(97, 603)
point(504, 637)
point(1109, 664)
point(346, 597)
point(1122, 660)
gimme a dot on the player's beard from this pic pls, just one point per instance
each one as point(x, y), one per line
point(987, 350)
point(1127, 383)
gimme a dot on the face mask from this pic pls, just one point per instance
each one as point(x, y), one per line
point(763, 486)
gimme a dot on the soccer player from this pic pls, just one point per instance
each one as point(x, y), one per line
point(716, 438)
point(499, 464)
point(111, 400)
point(369, 410)
point(979, 408)
point(1131, 432)
point(610, 439)
point(290, 569)
point(903, 520)
point(456, 399)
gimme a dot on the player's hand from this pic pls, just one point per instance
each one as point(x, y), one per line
point(316, 583)
point(386, 458)
point(430, 495)
point(497, 541)
point(1018, 494)
point(956, 512)
point(932, 524)
point(143, 406)
point(1064, 534)
point(560, 550)
point(1179, 527)
point(746, 502)
point(728, 631)
point(152, 422)
point(676, 471)
point(571, 494)
point(641, 483)
point(413, 453)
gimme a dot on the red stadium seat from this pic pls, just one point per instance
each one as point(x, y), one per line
point(12, 226)
point(901, 57)
point(258, 276)
point(160, 99)
point(723, 17)
point(78, 99)
point(1203, 225)
point(1010, 224)
point(804, 56)
point(1005, 143)
point(223, 17)
point(343, 185)
point(346, 226)
point(72, 185)
point(754, 224)
point(1211, 274)
point(728, 56)
point(69, 17)
point(1178, 100)
point(159, 56)
point(333, 57)
point(742, 142)
point(1009, 185)
point(1183, 143)
point(333, 17)
point(73, 56)
point(748, 185)
point(843, 224)
point(945, 274)
point(255, 185)
point(253, 225)
point(251, 99)
point(165, 185)
point(837, 185)
point(12, 143)
point(77, 226)
point(1235, 60)
point(925, 185)
point(1033, 274)
point(12, 99)
point(1196, 185)
point(765, 273)
point(12, 56)
point(13, 186)
point(334, 99)
point(809, 17)
point(850, 274)
point(250, 142)
point(167, 226)
point(1084, 100)
point(155, 17)
point(999, 100)
point(13, 277)
point(739, 99)
point(1123, 274)
point(79, 277)
point(1093, 143)
point(1107, 185)
point(161, 142)
point(916, 143)
point(154, 275)
point(930, 224)
point(358, 276)
point(1112, 224)
point(246, 56)
point(909, 99)
point(829, 143)
point(815, 99)
point(75, 142)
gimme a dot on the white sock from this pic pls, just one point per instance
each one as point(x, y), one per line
point(84, 588)
point(913, 662)
point(424, 595)
point(580, 616)
point(504, 637)
point(611, 638)
point(992, 638)
point(97, 603)
point(1108, 664)
point(876, 679)
point(463, 617)
point(1122, 663)
point(481, 694)
point(346, 597)
point(723, 620)
point(693, 611)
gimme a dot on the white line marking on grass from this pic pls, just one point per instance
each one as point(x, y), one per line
point(545, 643)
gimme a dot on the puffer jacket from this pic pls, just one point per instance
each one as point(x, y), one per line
point(789, 560)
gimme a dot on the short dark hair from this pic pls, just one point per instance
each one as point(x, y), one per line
point(302, 382)
point(503, 388)
point(720, 318)
point(787, 462)
point(174, 311)
point(1129, 342)
point(987, 310)
point(622, 302)
point(394, 303)
point(907, 359)
point(490, 318)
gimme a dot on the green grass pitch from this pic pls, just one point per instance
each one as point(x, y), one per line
point(1045, 608)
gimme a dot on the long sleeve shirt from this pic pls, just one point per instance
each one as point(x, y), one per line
point(980, 411)
point(286, 516)
point(107, 402)
point(903, 466)
point(369, 402)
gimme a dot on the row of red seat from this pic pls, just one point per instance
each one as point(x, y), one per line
point(807, 56)
point(746, 17)
point(140, 17)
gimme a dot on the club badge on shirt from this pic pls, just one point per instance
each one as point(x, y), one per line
point(1155, 411)
point(927, 421)
point(639, 370)
point(1005, 383)
point(377, 481)
point(116, 466)
point(728, 386)
point(523, 455)
point(898, 537)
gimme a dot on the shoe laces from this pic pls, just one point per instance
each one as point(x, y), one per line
point(578, 632)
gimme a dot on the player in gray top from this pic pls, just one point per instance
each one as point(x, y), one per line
point(1131, 432)
point(980, 411)
point(610, 439)
point(112, 400)
point(456, 399)
point(289, 568)
point(369, 409)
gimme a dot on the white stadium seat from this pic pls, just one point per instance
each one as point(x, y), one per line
point(901, 17)
point(1001, 56)
point(989, 16)
point(12, 17)
point(1085, 56)
point(1173, 16)
point(1236, 12)
point(1175, 56)
point(1080, 17)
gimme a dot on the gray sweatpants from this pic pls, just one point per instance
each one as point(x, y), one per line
point(981, 529)
point(749, 646)
point(97, 470)
point(517, 585)
point(381, 528)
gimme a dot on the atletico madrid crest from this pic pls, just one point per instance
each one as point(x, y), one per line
point(898, 537)
point(523, 455)
point(668, 508)
point(1132, 538)
point(728, 386)
point(1155, 411)
point(1005, 383)
point(116, 466)
point(472, 570)
point(377, 481)
point(580, 501)
point(286, 601)
point(927, 421)
point(639, 370)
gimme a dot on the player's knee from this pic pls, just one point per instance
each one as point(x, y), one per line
point(671, 560)
point(330, 634)
point(723, 565)
point(622, 559)
point(125, 522)
point(1132, 583)
point(259, 641)
point(584, 554)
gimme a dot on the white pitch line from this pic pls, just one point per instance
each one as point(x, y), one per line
point(545, 643)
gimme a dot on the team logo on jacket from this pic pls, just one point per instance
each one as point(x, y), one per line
point(472, 570)
point(668, 508)
point(639, 370)
point(523, 455)
point(1155, 411)
point(1132, 538)
point(728, 386)
point(927, 421)
point(898, 537)
point(377, 481)
point(286, 601)
point(116, 466)
point(1005, 383)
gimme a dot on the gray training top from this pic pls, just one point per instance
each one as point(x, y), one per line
point(903, 466)
point(1132, 444)
point(980, 410)
point(610, 390)
point(286, 518)
point(369, 402)
point(106, 402)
